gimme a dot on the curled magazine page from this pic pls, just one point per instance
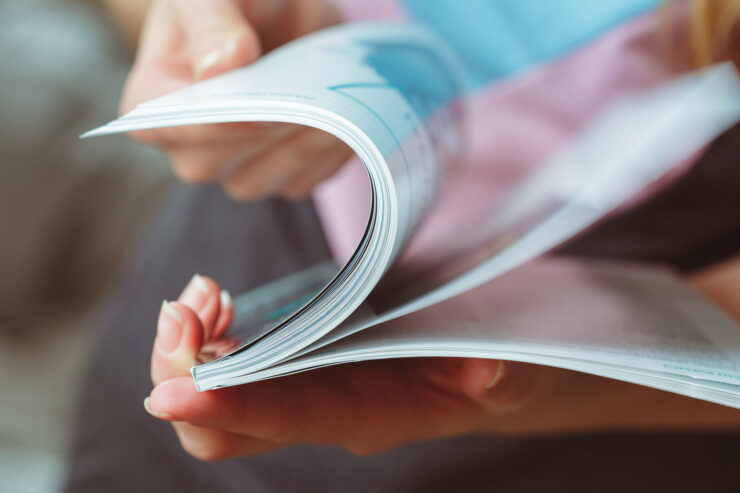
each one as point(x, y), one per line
point(391, 92)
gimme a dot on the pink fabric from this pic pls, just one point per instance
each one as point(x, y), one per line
point(363, 10)
point(518, 124)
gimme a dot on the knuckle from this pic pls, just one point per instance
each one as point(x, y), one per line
point(240, 191)
point(192, 172)
point(205, 454)
point(211, 451)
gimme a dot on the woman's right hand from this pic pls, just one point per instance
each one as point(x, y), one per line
point(184, 41)
point(372, 406)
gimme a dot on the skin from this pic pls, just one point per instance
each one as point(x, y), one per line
point(185, 41)
point(373, 406)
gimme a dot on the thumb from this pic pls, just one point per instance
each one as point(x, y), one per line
point(499, 384)
point(218, 34)
point(479, 377)
point(179, 338)
point(721, 284)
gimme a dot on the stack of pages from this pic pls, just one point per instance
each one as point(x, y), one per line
point(419, 284)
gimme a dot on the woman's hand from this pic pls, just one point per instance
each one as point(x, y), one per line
point(184, 41)
point(373, 406)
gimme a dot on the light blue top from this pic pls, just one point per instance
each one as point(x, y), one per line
point(497, 38)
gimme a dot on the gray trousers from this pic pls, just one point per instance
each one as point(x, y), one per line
point(119, 447)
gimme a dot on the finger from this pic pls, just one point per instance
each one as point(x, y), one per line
point(195, 159)
point(217, 348)
point(217, 36)
point(211, 136)
point(498, 385)
point(314, 173)
point(219, 345)
point(268, 174)
point(225, 317)
point(202, 295)
point(364, 407)
point(213, 445)
point(178, 400)
point(721, 283)
point(178, 342)
point(184, 41)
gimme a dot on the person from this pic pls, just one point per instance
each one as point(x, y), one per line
point(564, 429)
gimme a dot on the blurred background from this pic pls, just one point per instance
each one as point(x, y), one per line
point(71, 213)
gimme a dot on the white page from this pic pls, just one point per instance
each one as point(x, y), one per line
point(607, 311)
point(372, 116)
point(390, 91)
point(626, 150)
point(625, 321)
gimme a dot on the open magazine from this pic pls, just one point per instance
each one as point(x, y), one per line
point(420, 284)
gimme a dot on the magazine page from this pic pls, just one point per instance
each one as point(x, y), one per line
point(628, 148)
point(633, 144)
point(391, 92)
point(634, 322)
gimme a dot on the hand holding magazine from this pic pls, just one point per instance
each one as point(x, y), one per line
point(392, 93)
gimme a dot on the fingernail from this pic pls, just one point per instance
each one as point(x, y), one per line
point(226, 301)
point(200, 284)
point(169, 328)
point(156, 414)
point(216, 56)
point(500, 370)
point(196, 293)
